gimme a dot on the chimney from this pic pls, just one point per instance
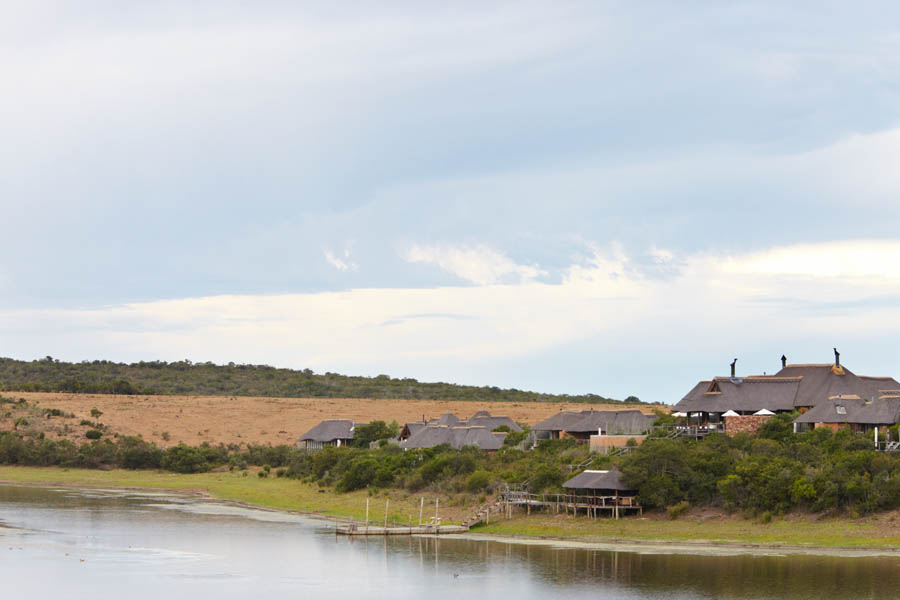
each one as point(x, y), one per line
point(783, 361)
point(837, 358)
point(733, 363)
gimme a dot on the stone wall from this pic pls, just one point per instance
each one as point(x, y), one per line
point(747, 424)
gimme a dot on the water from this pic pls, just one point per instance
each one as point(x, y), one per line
point(68, 543)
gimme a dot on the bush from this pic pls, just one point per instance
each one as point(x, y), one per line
point(96, 412)
point(358, 476)
point(676, 510)
point(184, 459)
point(93, 434)
point(478, 481)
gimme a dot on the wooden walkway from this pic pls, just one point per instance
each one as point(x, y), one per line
point(363, 529)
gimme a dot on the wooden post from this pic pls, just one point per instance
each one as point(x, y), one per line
point(386, 504)
point(367, 515)
point(421, 508)
point(617, 504)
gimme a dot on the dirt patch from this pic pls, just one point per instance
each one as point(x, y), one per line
point(168, 420)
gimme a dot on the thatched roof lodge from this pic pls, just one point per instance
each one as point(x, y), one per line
point(582, 425)
point(795, 386)
point(481, 418)
point(457, 437)
point(332, 432)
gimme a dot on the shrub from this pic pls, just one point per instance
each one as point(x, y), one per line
point(478, 481)
point(96, 412)
point(358, 476)
point(184, 459)
point(93, 434)
point(676, 510)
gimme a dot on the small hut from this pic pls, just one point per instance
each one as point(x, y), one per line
point(331, 432)
point(599, 491)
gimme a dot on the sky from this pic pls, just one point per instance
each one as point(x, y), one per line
point(614, 198)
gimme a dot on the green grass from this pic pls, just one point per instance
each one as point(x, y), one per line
point(271, 492)
point(875, 532)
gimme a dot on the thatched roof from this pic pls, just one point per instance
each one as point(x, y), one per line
point(329, 431)
point(598, 480)
point(632, 422)
point(824, 381)
point(448, 419)
point(741, 394)
point(482, 418)
point(490, 422)
point(794, 386)
point(880, 411)
point(435, 435)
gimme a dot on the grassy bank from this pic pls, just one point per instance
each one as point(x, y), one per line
point(271, 492)
point(881, 531)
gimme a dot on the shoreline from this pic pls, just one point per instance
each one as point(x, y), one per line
point(640, 546)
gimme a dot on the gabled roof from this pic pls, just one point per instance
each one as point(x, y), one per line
point(457, 437)
point(410, 429)
point(741, 394)
point(598, 480)
point(329, 431)
point(590, 421)
point(880, 411)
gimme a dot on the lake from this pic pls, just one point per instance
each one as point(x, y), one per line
point(72, 543)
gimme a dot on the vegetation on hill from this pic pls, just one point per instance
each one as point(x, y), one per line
point(771, 473)
point(208, 379)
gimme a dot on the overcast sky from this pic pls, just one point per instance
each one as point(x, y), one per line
point(606, 197)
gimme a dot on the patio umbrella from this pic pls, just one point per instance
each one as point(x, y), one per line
point(764, 411)
point(730, 413)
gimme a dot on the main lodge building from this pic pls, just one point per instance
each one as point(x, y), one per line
point(732, 404)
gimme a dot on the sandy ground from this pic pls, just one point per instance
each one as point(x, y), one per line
point(243, 420)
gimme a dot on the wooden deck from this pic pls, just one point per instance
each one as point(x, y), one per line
point(593, 506)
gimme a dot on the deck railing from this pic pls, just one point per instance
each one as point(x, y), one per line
point(676, 431)
point(525, 498)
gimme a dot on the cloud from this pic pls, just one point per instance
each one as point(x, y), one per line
point(341, 264)
point(605, 314)
point(477, 264)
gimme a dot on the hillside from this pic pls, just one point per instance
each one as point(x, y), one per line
point(208, 379)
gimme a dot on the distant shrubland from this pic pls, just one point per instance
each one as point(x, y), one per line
point(208, 379)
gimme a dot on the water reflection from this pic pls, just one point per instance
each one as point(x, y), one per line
point(106, 544)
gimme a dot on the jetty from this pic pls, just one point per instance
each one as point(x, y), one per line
point(363, 529)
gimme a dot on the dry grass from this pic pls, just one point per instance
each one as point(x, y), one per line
point(242, 420)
